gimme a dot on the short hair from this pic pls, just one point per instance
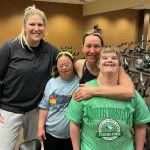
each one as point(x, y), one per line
point(114, 49)
point(29, 11)
point(96, 31)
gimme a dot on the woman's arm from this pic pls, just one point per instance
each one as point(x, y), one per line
point(140, 134)
point(41, 123)
point(124, 90)
point(75, 135)
point(78, 65)
point(126, 82)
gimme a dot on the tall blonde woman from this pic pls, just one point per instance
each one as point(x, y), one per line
point(26, 64)
point(104, 124)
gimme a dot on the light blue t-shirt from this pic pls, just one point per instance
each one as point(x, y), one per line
point(57, 95)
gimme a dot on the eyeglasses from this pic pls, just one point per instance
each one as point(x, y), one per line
point(67, 65)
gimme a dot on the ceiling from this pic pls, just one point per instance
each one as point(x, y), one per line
point(88, 1)
point(141, 7)
point(68, 1)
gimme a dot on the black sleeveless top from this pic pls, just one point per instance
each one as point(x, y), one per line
point(86, 75)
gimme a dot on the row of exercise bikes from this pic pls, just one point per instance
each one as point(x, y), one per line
point(136, 63)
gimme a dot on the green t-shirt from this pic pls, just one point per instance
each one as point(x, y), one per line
point(106, 124)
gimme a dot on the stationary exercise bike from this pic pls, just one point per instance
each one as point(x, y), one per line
point(142, 65)
point(30, 145)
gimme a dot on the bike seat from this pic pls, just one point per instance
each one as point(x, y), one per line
point(139, 68)
point(34, 144)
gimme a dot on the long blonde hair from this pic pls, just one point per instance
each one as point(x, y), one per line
point(29, 11)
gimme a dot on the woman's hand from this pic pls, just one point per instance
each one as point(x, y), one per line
point(83, 93)
point(1, 119)
point(41, 134)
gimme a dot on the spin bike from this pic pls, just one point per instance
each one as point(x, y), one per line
point(140, 85)
point(34, 144)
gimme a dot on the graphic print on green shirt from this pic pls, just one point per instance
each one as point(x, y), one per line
point(108, 129)
point(113, 113)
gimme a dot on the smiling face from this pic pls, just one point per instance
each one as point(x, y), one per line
point(109, 62)
point(65, 67)
point(34, 30)
point(91, 48)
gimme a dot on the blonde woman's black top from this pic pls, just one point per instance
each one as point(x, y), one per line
point(24, 74)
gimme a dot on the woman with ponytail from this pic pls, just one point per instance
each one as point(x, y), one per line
point(87, 69)
point(25, 68)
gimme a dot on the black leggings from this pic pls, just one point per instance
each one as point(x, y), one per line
point(52, 143)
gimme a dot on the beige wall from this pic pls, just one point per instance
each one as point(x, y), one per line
point(100, 6)
point(65, 23)
point(118, 26)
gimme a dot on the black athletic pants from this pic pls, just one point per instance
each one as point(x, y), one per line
point(52, 143)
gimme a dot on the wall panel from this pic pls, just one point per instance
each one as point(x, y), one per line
point(65, 23)
point(118, 26)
